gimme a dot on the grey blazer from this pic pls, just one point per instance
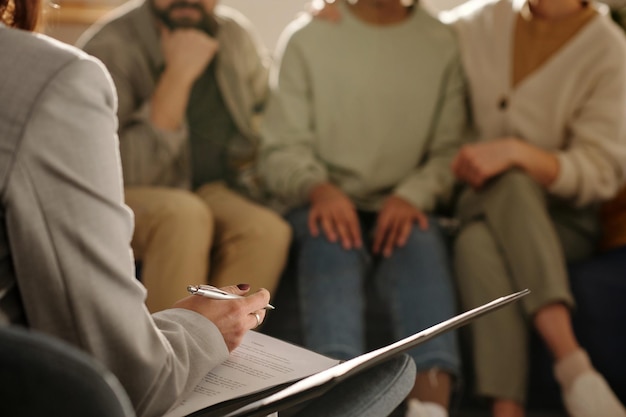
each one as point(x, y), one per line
point(66, 266)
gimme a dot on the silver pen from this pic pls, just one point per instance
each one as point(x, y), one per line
point(215, 293)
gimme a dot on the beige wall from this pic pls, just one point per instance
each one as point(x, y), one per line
point(268, 16)
point(271, 16)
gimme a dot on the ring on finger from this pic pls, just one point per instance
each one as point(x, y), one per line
point(258, 319)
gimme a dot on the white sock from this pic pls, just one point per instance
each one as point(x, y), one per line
point(416, 408)
point(569, 368)
point(590, 396)
point(585, 392)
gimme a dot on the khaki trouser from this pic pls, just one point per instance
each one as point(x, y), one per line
point(212, 235)
point(514, 237)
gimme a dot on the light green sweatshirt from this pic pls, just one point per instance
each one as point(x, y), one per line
point(373, 109)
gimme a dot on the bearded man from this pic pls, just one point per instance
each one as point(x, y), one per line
point(191, 76)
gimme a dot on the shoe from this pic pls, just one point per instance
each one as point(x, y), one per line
point(590, 396)
point(416, 408)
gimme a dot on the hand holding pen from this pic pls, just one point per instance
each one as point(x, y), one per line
point(215, 293)
point(233, 316)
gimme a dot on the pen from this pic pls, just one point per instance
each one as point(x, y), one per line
point(215, 293)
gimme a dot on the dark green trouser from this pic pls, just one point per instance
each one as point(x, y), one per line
point(514, 236)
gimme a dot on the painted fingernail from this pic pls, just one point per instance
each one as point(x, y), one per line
point(243, 287)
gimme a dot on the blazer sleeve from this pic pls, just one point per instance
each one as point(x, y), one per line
point(70, 238)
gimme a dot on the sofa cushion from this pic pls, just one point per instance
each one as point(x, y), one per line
point(599, 287)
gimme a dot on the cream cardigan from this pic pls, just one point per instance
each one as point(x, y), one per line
point(573, 105)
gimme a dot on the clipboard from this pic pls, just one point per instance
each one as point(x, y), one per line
point(317, 384)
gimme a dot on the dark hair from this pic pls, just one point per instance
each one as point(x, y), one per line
point(21, 14)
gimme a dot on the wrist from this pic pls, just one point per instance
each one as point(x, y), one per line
point(319, 191)
point(516, 153)
point(169, 102)
point(179, 76)
point(315, 189)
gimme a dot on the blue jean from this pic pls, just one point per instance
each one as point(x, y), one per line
point(415, 284)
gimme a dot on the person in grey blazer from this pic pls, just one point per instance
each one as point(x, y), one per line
point(66, 267)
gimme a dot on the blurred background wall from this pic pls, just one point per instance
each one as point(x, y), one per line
point(70, 18)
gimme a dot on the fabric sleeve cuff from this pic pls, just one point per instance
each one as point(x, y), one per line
point(172, 139)
point(307, 184)
point(202, 329)
point(565, 183)
point(420, 201)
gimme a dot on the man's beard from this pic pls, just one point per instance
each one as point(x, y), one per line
point(206, 23)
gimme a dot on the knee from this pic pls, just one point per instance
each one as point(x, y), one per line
point(298, 219)
point(267, 228)
point(319, 245)
point(185, 210)
point(429, 243)
point(467, 244)
point(515, 183)
point(516, 177)
point(167, 213)
point(318, 250)
point(171, 218)
point(276, 229)
point(476, 256)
